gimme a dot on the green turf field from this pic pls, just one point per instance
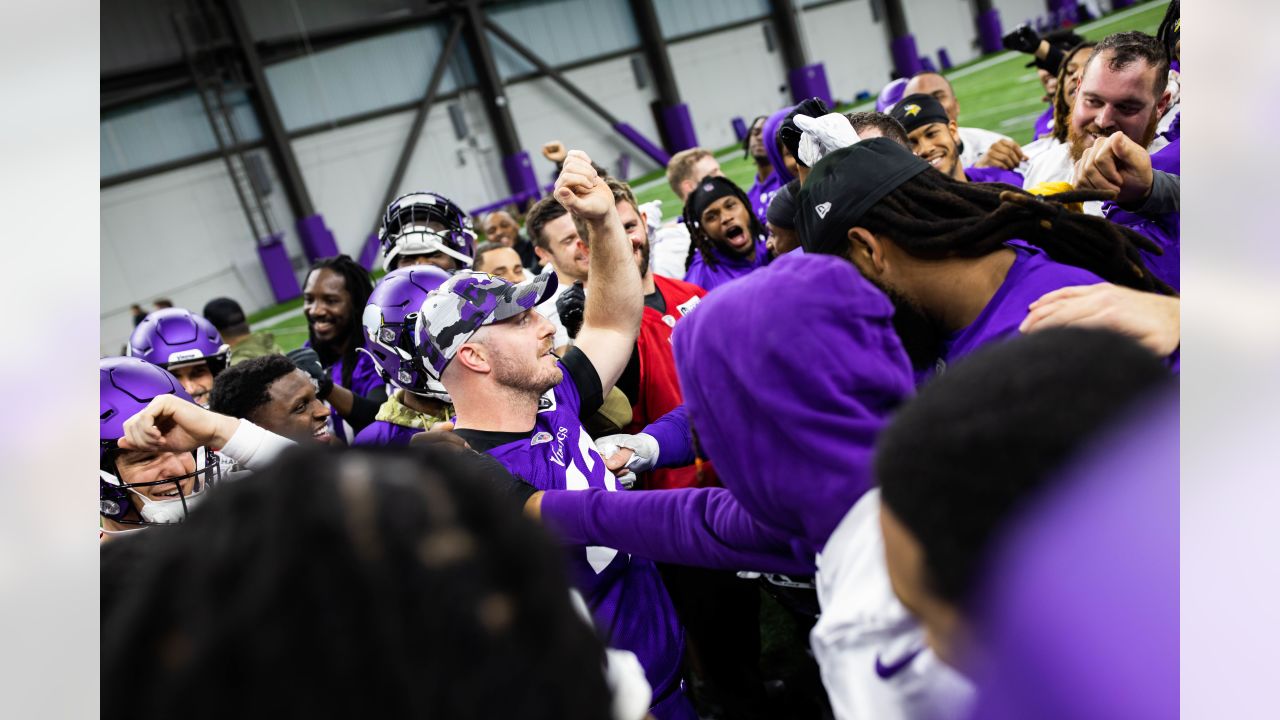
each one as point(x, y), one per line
point(995, 92)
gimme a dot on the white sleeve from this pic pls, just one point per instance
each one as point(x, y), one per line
point(253, 447)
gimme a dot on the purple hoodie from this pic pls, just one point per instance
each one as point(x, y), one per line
point(728, 266)
point(788, 414)
point(381, 433)
point(770, 137)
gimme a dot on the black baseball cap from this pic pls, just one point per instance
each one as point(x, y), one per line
point(844, 185)
point(223, 312)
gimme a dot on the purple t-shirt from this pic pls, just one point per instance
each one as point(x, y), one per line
point(761, 193)
point(1032, 275)
point(382, 433)
point(728, 267)
point(625, 593)
point(993, 175)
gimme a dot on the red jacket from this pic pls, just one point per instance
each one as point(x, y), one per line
point(659, 389)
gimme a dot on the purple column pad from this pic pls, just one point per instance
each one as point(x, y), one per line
point(317, 241)
point(275, 263)
point(906, 61)
point(369, 253)
point(679, 126)
point(989, 31)
point(809, 81)
point(520, 178)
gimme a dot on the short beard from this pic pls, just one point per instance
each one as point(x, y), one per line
point(508, 374)
point(1080, 140)
point(644, 258)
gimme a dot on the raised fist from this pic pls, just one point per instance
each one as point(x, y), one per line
point(554, 151)
point(581, 190)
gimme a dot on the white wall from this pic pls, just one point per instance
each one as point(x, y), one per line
point(852, 47)
point(726, 75)
point(943, 23)
point(346, 170)
point(180, 235)
point(1016, 12)
point(544, 111)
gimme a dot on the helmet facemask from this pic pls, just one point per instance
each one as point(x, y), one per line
point(127, 504)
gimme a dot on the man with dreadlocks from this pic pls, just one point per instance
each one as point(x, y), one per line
point(941, 248)
point(726, 239)
point(333, 298)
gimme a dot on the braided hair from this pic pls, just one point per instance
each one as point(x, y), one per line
point(386, 583)
point(359, 285)
point(700, 242)
point(934, 216)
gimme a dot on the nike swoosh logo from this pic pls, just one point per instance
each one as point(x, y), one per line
point(887, 671)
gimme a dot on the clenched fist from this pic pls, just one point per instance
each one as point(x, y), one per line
point(581, 190)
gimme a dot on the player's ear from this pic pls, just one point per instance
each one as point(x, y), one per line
point(473, 356)
point(866, 251)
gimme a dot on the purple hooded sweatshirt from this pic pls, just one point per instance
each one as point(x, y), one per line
point(1081, 615)
point(1032, 275)
point(770, 137)
point(789, 374)
point(728, 266)
point(1165, 230)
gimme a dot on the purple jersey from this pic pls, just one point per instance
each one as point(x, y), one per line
point(728, 267)
point(993, 175)
point(364, 380)
point(625, 593)
point(1031, 276)
point(382, 433)
point(761, 193)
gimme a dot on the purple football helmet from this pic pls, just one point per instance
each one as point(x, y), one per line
point(126, 386)
point(890, 95)
point(174, 336)
point(423, 223)
point(388, 328)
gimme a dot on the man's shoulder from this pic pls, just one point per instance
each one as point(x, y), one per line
point(980, 135)
point(678, 287)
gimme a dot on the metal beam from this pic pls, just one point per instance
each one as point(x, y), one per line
point(624, 129)
point(274, 135)
point(491, 89)
point(655, 51)
point(784, 21)
point(420, 118)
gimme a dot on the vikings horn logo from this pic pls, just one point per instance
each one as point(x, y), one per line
point(913, 110)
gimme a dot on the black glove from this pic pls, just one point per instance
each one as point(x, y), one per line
point(308, 361)
point(571, 306)
point(1023, 39)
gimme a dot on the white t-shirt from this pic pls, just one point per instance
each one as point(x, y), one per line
point(976, 142)
point(865, 633)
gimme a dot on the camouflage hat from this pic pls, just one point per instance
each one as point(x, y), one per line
point(466, 302)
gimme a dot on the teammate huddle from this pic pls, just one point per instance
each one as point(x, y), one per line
point(821, 379)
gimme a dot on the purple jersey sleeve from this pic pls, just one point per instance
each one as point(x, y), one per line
point(704, 527)
point(380, 433)
point(675, 441)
